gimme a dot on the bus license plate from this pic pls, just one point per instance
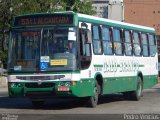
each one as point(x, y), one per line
point(63, 88)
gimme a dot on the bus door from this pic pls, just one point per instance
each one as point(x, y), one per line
point(85, 47)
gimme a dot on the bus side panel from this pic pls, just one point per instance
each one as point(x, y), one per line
point(149, 70)
point(83, 88)
point(119, 84)
point(149, 81)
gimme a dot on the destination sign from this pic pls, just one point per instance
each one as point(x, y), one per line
point(43, 19)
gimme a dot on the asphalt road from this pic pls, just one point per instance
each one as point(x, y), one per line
point(108, 104)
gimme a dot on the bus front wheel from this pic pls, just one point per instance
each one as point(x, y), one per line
point(93, 100)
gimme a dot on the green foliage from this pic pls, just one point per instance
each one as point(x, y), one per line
point(32, 6)
point(78, 6)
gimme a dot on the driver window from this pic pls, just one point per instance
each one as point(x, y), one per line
point(84, 46)
point(85, 49)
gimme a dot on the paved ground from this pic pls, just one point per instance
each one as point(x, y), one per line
point(108, 105)
point(3, 81)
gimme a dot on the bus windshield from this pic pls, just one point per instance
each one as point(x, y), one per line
point(47, 49)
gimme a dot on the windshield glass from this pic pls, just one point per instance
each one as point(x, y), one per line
point(47, 49)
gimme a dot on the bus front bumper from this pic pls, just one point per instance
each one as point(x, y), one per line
point(51, 89)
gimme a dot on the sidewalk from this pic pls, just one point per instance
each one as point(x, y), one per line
point(3, 82)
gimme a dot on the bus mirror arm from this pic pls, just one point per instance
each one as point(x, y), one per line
point(3, 41)
point(5, 35)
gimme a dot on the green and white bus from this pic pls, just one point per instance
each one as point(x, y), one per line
point(67, 54)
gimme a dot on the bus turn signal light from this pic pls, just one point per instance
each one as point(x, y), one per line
point(74, 83)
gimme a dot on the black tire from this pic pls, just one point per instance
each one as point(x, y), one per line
point(93, 100)
point(37, 103)
point(127, 95)
point(137, 94)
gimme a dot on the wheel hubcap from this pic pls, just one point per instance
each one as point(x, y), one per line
point(139, 89)
point(96, 94)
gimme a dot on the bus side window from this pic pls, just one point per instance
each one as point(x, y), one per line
point(136, 44)
point(128, 43)
point(117, 41)
point(107, 43)
point(152, 45)
point(97, 47)
point(145, 45)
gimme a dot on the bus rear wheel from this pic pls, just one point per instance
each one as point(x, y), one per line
point(137, 94)
point(93, 100)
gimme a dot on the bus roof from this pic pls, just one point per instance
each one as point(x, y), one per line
point(104, 21)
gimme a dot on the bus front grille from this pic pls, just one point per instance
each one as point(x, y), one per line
point(42, 85)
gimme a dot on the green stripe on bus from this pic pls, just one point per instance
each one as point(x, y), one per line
point(98, 65)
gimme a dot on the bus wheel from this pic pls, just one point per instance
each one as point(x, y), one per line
point(136, 95)
point(37, 103)
point(93, 100)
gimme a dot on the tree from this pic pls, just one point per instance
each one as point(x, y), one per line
point(32, 6)
point(84, 7)
point(4, 23)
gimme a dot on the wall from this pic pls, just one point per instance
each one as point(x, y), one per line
point(143, 12)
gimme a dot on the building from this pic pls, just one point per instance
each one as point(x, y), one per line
point(101, 7)
point(143, 12)
point(116, 10)
point(111, 9)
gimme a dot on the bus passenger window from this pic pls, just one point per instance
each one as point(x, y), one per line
point(136, 44)
point(96, 40)
point(145, 45)
point(152, 45)
point(128, 44)
point(117, 42)
point(107, 43)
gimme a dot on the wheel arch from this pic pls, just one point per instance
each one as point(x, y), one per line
point(140, 74)
point(98, 76)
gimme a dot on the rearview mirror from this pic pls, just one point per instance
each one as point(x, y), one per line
point(89, 35)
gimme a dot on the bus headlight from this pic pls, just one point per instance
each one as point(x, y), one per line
point(68, 84)
point(13, 85)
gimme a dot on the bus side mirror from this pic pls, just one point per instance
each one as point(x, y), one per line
point(89, 36)
point(84, 25)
